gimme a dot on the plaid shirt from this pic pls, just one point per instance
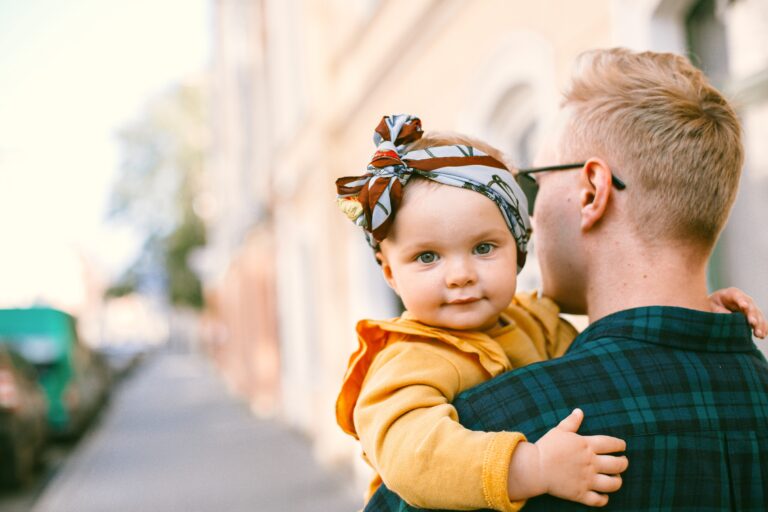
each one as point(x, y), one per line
point(687, 390)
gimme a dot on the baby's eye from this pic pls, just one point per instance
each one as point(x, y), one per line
point(427, 257)
point(483, 248)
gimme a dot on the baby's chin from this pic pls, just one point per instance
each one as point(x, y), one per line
point(456, 324)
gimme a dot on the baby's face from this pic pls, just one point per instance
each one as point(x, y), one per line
point(450, 257)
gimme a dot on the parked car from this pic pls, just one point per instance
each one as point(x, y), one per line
point(23, 418)
point(75, 378)
point(123, 358)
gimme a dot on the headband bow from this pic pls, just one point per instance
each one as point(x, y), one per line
point(371, 200)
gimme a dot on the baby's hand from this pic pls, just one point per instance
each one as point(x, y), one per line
point(732, 299)
point(568, 465)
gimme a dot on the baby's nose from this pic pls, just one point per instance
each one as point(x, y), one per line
point(460, 273)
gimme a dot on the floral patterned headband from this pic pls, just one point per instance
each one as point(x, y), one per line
point(371, 200)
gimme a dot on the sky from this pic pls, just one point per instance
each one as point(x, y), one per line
point(72, 73)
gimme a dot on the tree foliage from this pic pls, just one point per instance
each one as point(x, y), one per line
point(163, 154)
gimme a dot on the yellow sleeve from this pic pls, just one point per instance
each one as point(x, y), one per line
point(410, 432)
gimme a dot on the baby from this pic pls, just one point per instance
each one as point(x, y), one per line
point(449, 223)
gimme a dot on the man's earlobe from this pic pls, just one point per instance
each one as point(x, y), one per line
point(595, 192)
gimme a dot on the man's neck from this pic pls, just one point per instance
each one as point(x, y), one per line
point(631, 277)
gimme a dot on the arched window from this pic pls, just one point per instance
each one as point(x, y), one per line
point(514, 123)
point(514, 94)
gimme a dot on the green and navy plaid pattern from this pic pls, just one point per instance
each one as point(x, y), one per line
point(687, 390)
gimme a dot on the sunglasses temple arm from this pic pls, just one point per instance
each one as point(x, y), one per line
point(620, 185)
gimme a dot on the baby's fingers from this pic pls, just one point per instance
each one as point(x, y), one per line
point(734, 299)
point(606, 444)
point(594, 499)
point(607, 483)
point(610, 465)
point(757, 321)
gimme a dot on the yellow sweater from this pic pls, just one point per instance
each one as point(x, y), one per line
point(397, 394)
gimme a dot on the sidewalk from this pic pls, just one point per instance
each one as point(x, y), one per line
point(175, 440)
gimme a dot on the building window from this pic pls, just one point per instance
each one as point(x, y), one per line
point(514, 122)
point(706, 39)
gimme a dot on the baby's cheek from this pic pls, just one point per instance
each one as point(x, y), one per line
point(421, 303)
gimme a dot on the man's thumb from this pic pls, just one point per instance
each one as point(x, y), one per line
point(573, 421)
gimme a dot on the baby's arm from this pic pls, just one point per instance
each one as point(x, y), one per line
point(734, 300)
point(410, 432)
point(567, 465)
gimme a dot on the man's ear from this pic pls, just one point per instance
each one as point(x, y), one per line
point(595, 192)
point(386, 270)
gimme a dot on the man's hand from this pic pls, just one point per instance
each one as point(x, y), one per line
point(567, 465)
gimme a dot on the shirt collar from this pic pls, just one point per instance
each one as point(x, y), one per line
point(675, 327)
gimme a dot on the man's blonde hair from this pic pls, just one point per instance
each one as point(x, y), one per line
point(664, 130)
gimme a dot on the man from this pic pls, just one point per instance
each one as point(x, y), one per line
point(624, 236)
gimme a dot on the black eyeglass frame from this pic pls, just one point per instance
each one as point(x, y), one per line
point(531, 188)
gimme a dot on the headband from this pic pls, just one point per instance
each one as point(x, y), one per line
point(371, 200)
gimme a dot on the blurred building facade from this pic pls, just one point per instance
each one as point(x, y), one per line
point(299, 86)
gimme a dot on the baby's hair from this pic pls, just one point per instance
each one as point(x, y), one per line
point(445, 138)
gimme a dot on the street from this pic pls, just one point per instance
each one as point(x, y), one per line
point(174, 439)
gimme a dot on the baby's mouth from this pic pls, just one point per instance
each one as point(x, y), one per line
point(463, 300)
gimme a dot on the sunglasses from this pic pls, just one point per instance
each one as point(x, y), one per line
point(531, 188)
